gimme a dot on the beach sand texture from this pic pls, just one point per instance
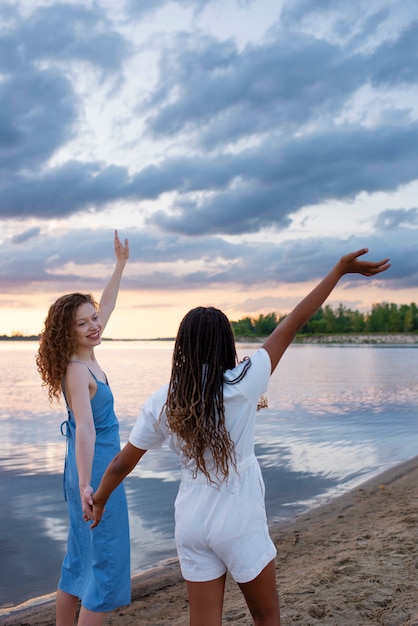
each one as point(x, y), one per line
point(351, 562)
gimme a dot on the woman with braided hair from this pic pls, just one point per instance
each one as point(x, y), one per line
point(207, 414)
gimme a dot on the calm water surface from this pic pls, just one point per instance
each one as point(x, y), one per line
point(337, 415)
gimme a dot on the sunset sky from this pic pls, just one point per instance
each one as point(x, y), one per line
point(242, 146)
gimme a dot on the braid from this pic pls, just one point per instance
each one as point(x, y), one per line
point(203, 351)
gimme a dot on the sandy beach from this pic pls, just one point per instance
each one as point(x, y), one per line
point(350, 562)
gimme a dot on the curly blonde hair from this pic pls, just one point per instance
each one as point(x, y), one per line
point(57, 341)
point(203, 351)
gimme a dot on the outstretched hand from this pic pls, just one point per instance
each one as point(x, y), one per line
point(350, 264)
point(121, 249)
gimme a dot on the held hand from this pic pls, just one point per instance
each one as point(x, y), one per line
point(98, 510)
point(350, 264)
point(121, 250)
point(87, 503)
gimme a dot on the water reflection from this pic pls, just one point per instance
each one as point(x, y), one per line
point(336, 415)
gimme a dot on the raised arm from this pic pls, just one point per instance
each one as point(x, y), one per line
point(110, 293)
point(277, 343)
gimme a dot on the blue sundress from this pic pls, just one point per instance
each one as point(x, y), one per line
point(96, 568)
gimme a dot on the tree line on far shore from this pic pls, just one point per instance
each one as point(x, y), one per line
point(383, 318)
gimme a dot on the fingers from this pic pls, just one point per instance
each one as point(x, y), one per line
point(377, 265)
point(96, 522)
point(122, 250)
point(96, 516)
point(371, 269)
point(355, 255)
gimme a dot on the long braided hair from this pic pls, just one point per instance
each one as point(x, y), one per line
point(203, 351)
point(57, 342)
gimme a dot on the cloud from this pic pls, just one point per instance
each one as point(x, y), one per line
point(37, 113)
point(82, 258)
point(396, 218)
point(267, 184)
point(230, 194)
point(141, 8)
point(63, 190)
point(262, 122)
point(219, 144)
point(63, 32)
point(39, 106)
point(26, 235)
point(279, 85)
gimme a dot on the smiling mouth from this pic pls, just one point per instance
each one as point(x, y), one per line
point(95, 336)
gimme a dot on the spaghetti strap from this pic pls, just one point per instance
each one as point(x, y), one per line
point(94, 376)
point(85, 364)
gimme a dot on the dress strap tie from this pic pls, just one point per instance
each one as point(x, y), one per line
point(65, 432)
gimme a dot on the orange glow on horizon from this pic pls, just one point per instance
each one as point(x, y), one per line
point(150, 315)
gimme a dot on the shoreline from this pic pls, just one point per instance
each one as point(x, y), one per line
point(352, 560)
point(367, 338)
point(354, 338)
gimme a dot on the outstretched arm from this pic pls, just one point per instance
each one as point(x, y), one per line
point(277, 343)
point(110, 293)
point(116, 471)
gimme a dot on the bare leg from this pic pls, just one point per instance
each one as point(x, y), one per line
point(66, 607)
point(206, 602)
point(262, 597)
point(90, 618)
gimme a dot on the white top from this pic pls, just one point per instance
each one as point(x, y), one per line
point(150, 430)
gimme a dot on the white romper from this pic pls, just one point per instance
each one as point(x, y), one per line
point(221, 526)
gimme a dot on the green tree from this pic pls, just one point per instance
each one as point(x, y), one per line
point(265, 324)
point(383, 318)
point(243, 328)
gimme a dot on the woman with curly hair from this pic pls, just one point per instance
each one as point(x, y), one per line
point(96, 568)
point(207, 414)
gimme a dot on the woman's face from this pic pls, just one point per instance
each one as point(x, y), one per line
point(88, 326)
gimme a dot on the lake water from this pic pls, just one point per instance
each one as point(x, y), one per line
point(337, 415)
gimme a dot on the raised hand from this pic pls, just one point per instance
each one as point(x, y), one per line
point(121, 250)
point(350, 264)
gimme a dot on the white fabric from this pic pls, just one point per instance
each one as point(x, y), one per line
point(221, 526)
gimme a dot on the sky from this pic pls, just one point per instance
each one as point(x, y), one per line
point(242, 146)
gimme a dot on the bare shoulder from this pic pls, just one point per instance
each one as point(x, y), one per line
point(77, 374)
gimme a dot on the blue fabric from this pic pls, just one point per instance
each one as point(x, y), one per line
point(96, 567)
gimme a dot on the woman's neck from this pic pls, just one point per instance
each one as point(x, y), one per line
point(87, 355)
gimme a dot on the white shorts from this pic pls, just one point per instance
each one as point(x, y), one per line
point(225, 528)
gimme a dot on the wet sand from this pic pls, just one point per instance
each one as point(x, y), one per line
point(351, 562)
